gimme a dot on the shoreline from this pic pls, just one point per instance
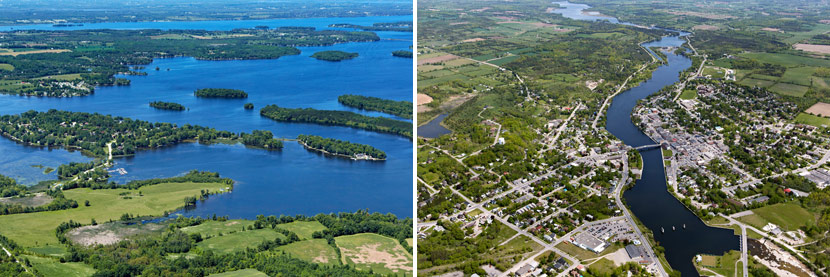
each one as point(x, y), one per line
point(368, 158)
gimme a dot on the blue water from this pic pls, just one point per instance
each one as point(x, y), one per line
point(433, 128)
point(291, 181)
point(319, 23)
point(649, 199)
point(575, 11)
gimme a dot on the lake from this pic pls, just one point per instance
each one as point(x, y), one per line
point(291, 181)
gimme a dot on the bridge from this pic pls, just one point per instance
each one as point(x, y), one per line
point(643, 147)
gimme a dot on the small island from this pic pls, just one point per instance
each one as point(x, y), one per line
point(398, 108)
point(336, 147)
point(334, 56)
point(339, 118)
point(220, 93)
point(167, 106)
point(403, 26)
point(261, 139)
point(402, 54)
point(249, 106)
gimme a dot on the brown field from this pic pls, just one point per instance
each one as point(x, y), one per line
point(825, 21)
point(473, 40)
point(703, 15)
point(705, 27)
point(34, 52)
point(438, 59)
point(768, 29)
point(38, 199)
point(814, 48)
point(821, 109)
point(110, 233)
point(424, 99)
point(459, 23)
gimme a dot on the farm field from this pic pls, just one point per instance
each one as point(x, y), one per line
point(303, 229)
point(214, 228)
point(241, 273)
point(315, 250)
point(154, 200)
point(233, 242)
point(381, 254)
point(52, 267)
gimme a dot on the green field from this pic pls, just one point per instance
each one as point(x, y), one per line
point(62, 77)
point(789, 89)
point(383, 255)
point(241, 273)
point(688, 94)
point(230, 243)
point(214, 228)
point(604, 267)
point(5, 66)
point(315, 251)
point(52, 267)
point(38, 229)
point(787, 60)
point(303, 229)
point(789, 216)
point(724, 265)
point(756, 82)
point(583, 254)
point(813, 120)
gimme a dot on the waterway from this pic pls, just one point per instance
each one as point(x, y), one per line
point(433, 128)
point(649, 199)
point(291, 181)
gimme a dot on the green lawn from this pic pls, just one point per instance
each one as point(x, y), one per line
point(213, 228)
point(230, 243)
point(250, 272)
point(383, 255)
point(5, 66)
point(315, 251)
point(304, 229)
point(724, 265)
point(63, 77)
point(604, 267)
point(688, 94)
point(788, 216)
point(814, 120)
point(53, 267)
point(38, 229)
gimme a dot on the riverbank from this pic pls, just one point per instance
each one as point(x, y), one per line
point(356, 157)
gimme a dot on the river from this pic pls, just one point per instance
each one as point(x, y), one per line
point(649, 199)
point(291, 181)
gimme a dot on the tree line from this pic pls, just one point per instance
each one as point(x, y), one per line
point(220, 93)
point(167, 106)
point(334, 56)
point(398, 108)
point(340, 147)
point(92, 132)
point(339, 118)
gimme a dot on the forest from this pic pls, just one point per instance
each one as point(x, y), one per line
point(93, 132)
point(339, 118)
point(398, 108)
point(98, 55)
point(340, 147)
point(167, 106)
point(334, 56)
point(262, 139)
point(402, 54)
point(403, 26)
point(220, 93)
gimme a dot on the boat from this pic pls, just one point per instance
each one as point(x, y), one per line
point(684, 225)
point(672, 228)
point(662, 230)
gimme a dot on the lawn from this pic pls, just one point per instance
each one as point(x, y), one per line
point(756, 82)
point(38, 229)
point(214, 228)
point(604, 267)
point(52, 267)
point(813, 120)
point(724, 265)
point(230, 243)
point(5, 66)
point(789, 216)
point(383, 255)
point(315, 251)
point(304, 229)
point(250, 272)
point(688, 94)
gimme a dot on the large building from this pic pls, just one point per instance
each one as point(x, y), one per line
point(589, 242)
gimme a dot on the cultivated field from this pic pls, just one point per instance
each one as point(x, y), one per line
point(372, 251)
point(38, 229)
point(241, 273)
point(214, 228)
point(15, 54)
point(315, 251)
point(303, 229)
point(822, 109)
point(52, 267)
point(813, 48)
point(240, 240)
